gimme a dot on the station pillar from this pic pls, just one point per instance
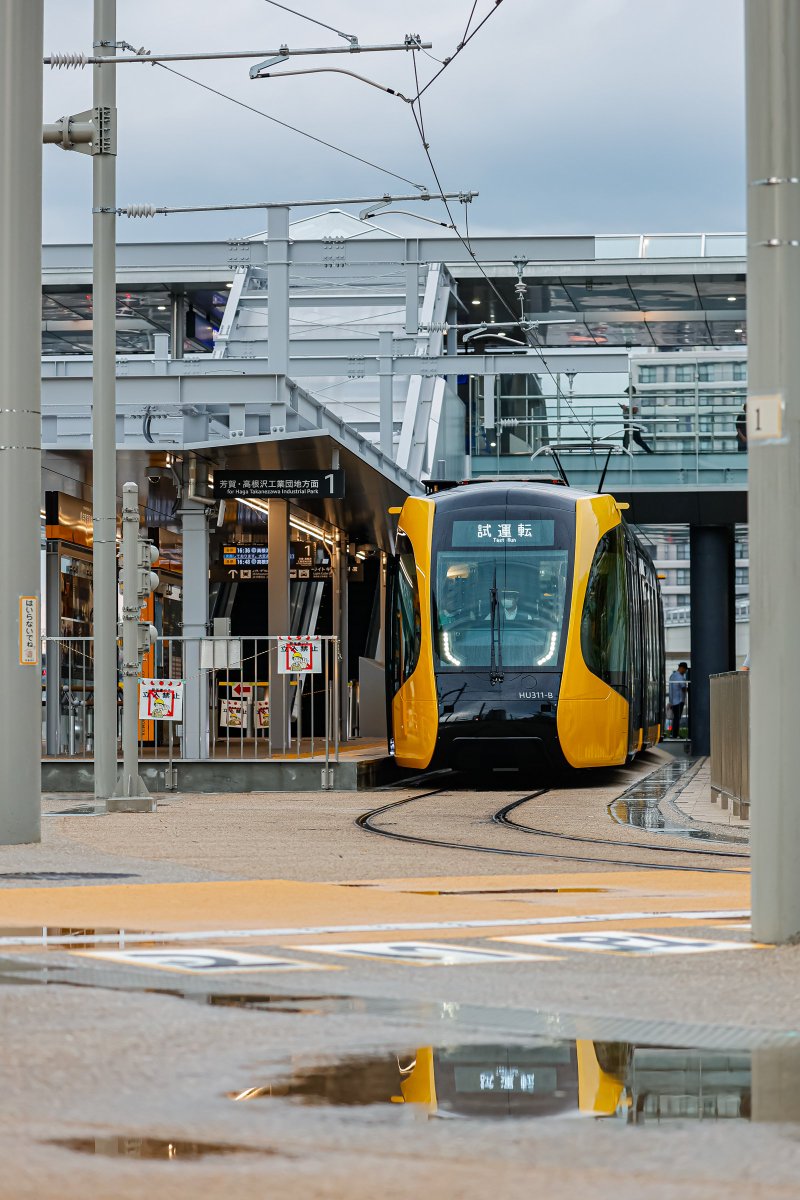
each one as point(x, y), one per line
point(52, 627)
point(772, 53)
point(194, 528)
point(713, 622)
point(278, 615)
point(340, 626)
point(21, 23)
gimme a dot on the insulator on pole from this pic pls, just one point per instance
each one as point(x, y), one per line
point(138, 210)
point(75, 60)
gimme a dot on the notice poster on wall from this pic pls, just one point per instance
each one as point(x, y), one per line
point(299, 656)
point(161, 699)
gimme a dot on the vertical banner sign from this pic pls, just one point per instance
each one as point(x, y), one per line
point(28, 631)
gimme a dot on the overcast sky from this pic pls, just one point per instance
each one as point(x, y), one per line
point(592, 116)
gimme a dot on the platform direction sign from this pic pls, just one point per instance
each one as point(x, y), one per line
point(280, 485)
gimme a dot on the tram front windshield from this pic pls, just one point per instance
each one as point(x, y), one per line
point(499, 593)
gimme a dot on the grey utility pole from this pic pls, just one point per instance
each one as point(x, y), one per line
point(104, 443)
point(21, 34)
point(773, 409)
point(138, 581)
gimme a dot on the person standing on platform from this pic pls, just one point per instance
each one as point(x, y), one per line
point(741, 429)
point(631, 429)
point(678, 687)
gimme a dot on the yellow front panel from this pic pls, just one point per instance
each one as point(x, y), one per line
point(599, 1093)
point(415, 709)
point(592, 718)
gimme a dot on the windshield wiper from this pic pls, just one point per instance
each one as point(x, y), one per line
point(496, 673)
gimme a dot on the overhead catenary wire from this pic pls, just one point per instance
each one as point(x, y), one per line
point(293, 128)
point(461, 46)
point(348, 37)
point(530, 337)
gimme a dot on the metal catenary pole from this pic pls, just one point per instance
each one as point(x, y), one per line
point(104, 450)
point(21, 33)
point(131, 795)
point(773, 310)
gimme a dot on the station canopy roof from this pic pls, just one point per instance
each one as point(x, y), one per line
point(362, 514)
point(679, 292)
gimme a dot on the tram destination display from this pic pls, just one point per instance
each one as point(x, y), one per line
point(509, 533)
point(279, 485)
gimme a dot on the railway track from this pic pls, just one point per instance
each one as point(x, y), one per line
point(370, 822)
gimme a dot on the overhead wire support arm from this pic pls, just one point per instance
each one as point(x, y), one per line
point(153, 210)
point(283, 52)
point(256, 73)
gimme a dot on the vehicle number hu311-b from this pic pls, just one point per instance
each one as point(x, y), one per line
point(537, 696)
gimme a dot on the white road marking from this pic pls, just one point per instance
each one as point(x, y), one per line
point(202, 960)
point(424, 954)
point(613, 941)
point(183, 935)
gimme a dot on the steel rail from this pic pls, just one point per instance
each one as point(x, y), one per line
point(501, 817)
point(366, 822)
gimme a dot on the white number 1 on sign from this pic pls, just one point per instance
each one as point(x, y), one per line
point(765, 418)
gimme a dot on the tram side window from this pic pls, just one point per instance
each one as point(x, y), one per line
point(604, 623)
point(406, 613)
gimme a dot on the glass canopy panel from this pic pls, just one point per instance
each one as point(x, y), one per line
point(618, 247)
point(680, 334)
point(723, 292)
point(672, 245)
point(589, 294)
point(654, 294)
point(726, 245)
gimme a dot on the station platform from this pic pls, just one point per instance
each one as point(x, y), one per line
point(242, 766)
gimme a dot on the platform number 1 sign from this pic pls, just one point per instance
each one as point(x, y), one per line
point(765, 418)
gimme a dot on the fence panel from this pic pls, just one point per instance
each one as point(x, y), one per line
point(226, 701)
point(730, 735)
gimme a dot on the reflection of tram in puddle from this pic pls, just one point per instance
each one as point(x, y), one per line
point(631, 1083)
point(602, 1079)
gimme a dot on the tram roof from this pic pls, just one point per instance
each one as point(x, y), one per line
point(553, 491)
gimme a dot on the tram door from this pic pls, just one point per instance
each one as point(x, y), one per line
point(635, 646)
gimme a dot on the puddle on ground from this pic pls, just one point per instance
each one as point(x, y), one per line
point(21, 974)
point(154, 1148)
point(639, 806)
point(620, 1081)
point(57, 876)
point(79, 810)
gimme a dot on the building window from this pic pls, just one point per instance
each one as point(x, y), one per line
point(742, 574)
point(684, 374)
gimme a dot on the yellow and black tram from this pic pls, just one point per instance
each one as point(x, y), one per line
point(525, 629)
